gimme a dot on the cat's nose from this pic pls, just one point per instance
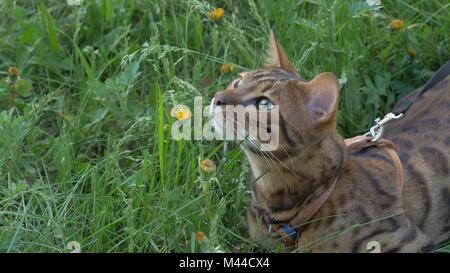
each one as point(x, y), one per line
point(220, 99)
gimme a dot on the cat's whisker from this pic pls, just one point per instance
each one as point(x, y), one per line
point(270, 157)
point(254, 143)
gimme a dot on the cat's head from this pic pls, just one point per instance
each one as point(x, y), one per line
point(307, 110)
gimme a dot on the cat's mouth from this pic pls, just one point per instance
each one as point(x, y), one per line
point(230, 124)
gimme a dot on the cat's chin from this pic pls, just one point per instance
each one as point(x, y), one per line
point(218, 122)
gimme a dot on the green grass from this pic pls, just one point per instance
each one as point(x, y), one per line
point(83, 151)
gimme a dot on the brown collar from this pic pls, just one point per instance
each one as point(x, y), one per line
point(290, 230)
point(312, 208)
point(354, 144)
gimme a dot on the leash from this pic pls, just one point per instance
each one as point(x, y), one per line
point(377, 130)
point(362, 142)
point(441, 74)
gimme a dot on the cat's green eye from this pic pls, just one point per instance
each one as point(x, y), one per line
point(236, 83)
point(265, 103)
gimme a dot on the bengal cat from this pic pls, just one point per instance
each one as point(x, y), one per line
point(365, 209)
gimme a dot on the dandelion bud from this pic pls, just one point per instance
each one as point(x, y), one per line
point(397, 24)
point(13, 71)
point(208, 166)
point(200, 236)
point(228, 68)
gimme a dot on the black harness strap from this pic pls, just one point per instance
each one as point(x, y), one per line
point(441, 74)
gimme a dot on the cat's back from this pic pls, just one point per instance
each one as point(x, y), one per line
point(425, 125)
point(422, 138)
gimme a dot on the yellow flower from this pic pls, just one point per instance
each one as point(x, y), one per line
point(200, 236)
point(181, 112)
point(13, 71)
point(228, 68)
point(397, 24)
point(184, 114)
point(216, 14)
point(412, 53)
point(208, 166)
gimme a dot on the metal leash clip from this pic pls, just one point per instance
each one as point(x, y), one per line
point(377, 130)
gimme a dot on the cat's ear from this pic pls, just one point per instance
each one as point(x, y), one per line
point(323, 97)
point(276, 57)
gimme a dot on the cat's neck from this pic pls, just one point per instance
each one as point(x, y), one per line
point(309, 173)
